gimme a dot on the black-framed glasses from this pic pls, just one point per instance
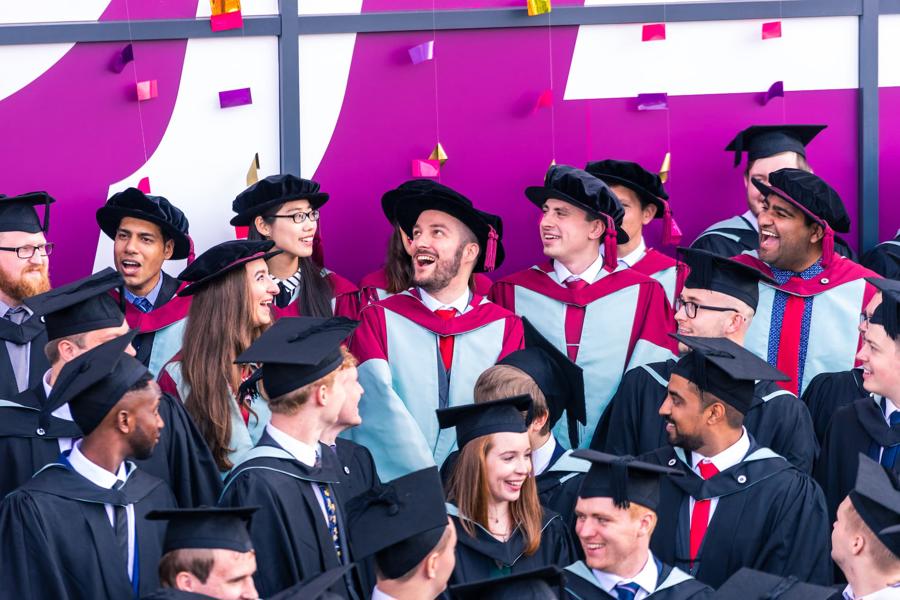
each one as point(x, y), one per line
point(864, 318)
point(299, 217)
point(26, 252)
point(690, 308)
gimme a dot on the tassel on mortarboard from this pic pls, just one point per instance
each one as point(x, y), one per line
point(490, 253)
point(827, 245)
point(610, 246)
point(190, 256)
point(671, 231)
point(619, 481)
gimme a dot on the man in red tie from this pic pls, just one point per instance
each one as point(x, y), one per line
point(423, 349)
point(607, 317)
point(738, 504)
point(807, 323)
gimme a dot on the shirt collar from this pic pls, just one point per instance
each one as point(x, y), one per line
point(751, 218)
point(887, 407)
point(590, 274)
point(540, 458)
point(303, 452)
point(782, 276)
point(646, 578)
point(379, 595)
point(635, 255)
point(151, 296)
point(885, 593)
point(433, 304)
point(93, 472)
point(4, 308)
point(728, 457)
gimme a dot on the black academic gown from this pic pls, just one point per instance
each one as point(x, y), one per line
point(878, 259)
point(828, 392)
point(484, 557)
point(56, 540)
point(770, 517)
point(143, 342)
point(671, 584)
point(289, 533)
point(632, 425)
point(30, 331)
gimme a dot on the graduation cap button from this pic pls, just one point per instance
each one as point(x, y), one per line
point(824, 281)
point(672, 462)
point(40, 431)
point(742, 479)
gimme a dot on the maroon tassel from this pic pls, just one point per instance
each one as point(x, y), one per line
point(671, 231)
point(190, 256)
point(490, 253)
point(827, 246)
point(318, 253)
point(610, 247)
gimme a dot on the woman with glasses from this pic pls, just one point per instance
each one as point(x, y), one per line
point(285, 210)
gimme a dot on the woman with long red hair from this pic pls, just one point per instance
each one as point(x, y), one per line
point(492, 495)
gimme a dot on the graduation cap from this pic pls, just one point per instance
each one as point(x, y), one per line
point(887, 314)
point(414, 197)
point(748, 584)
point(762, 141)
point(296, 351)
point(158, 210)
point(18, 213)
point(206, 528)
point(625, 479)
point(222, 259)
point(81, 306)
point(399, 522)
point(876, 497)
point(272, 191)
point(710, 271)
point(94, 382)
point(588, 193)
point(315, 588)
point(475, 420)
point(547, 583)
point(815, 198)
point(560, 380)
point(724, 369)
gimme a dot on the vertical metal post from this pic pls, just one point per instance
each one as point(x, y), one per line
point(868, 125)
point(289, 86)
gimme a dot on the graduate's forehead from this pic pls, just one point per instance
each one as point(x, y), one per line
point(599, 506)
point(139, 226)
point(682, 387)
point(430, 219)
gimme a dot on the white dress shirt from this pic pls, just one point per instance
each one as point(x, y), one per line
point(646, 578)
point(887, 407)
point(540, 458)
point(885, 593)
point(635, 255)
point(304, 453)
point(752, 219)
point(104, 479)
point(591, 274)
point(725, 459)
point(379, 595)
point(63, 412)
point(461, 304)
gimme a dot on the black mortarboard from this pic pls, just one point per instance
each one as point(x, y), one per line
point(762, 141)
point(206, 528)
point(18, 213)
point(414, 197)
point(315, 588)
point(887, 314)
point(560, 380)
point(748, 584)
point(475, 420)
point(399, 522)
point(588, 193)
point(546, 583)
point(710, 271)
point(270, 192)
point(622, 478)
point(81, 306)
point(94, 382)
point(158, 210)
point(296, 351)
point(876, 497)
point(221, 259)
point(724, 369)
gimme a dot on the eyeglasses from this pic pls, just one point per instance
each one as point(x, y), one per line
point(690, 308)
point(864, 318)
point(26, 252)
point(300, 217)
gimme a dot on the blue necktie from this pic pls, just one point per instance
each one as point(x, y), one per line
point(331, 510)
point(143, 304)
point(626, 591)
point(889, 455)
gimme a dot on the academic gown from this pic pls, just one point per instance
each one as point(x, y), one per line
point(162, 328)
point(828, 392)
point(662, 268)
point(173, 594)
point(856, 428)
point(373, 287)
point(878, 260)
point(33, 333)
point(770, 517)
point(626, 324)
point(777, 419)
point(671, 584)
point(289, 533)
point(485, 557)
point(401, 371)
point(56, 540)
point(344, 301)
point(840, 293)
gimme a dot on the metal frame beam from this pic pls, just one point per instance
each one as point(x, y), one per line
point(289, 87)
point(868, 125)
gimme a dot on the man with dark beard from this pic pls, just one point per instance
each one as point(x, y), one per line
point(24, 264)
point(77, 528)
point(423, 349)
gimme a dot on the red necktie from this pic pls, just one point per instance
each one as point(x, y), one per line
point(445, 342)
point(574, 320)
point(788, 361)
point(700, 516)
